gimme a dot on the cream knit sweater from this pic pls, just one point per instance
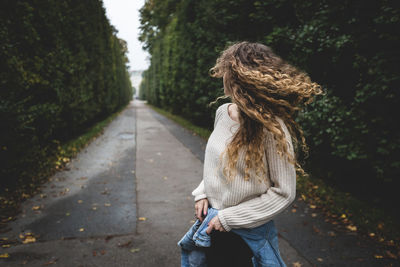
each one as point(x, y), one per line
point(245, 204)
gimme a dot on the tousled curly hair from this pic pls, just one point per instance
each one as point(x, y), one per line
point(265, 88)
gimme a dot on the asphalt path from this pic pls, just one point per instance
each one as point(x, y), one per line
point(126, 201)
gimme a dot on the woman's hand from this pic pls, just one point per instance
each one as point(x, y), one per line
point(201, 208)
point(215, 223)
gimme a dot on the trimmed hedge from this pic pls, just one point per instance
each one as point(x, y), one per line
point(62, 70)
point(351, 48)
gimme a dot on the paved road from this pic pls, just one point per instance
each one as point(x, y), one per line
point(125, 201)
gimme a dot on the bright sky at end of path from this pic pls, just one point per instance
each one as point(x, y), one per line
point(124, 16)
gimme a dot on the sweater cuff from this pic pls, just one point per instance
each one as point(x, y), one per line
point(223, 221)
point(198, 197)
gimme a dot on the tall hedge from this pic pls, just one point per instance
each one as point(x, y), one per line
point(349, 47)
point(62, 70)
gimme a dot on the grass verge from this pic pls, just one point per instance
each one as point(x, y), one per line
point(339, 208)
point(202, 132)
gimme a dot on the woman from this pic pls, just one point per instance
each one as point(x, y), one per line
point(250, 162)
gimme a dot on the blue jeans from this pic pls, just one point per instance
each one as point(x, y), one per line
point(195, 241)
point(262, 240)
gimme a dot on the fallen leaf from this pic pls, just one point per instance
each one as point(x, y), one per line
point(94, 208)
point(4, 255)
point(29, 239)
point(126, 244)
point(313, 215)
point(81, 229)
point(107, 204)
point(296, 264)
point(67, 214)
point(134, 250)
point(352, 228)
point(51, 262)
point(312, 206)
point(80, 201)
point(391, 255)
point(303, 196)
point(320, 259)
point(331, 233)
point(142, 218)
point(294, 210)
point(378, 256)
point(94, 253)
point(6, 246)
point(165, 178)
point(35, 207)
point(316, 229)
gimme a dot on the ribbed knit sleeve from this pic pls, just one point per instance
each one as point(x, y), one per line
point(199, 192)
point(280, 195)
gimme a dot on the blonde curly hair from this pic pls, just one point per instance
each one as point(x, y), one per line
point(265, 88)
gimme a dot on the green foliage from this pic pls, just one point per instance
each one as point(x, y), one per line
point(62, 70)
point(350, 48)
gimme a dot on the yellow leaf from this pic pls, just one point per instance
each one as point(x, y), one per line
point(94, 208)
point(351, 227)
point(343, 216)
point(312, 206)
point(29, 239)
point(67, 214)
point(6, 246)
point(133, 250)
point(4, 255)
point(378, 256)
point(80, 201)
point(142, 218)
point(81, 229)
point(315, 187)
point(303, 196)
point(297, 264)
point(35, 207)
point(313, 215)
point(294, 210)
point(371, 234)
point(320, 259)
point(107, 204)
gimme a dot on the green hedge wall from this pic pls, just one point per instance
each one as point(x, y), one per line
point(62, 70)
point(349, 47)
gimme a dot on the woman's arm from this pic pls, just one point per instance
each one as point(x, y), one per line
point(199, 192)
point(278, 197)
